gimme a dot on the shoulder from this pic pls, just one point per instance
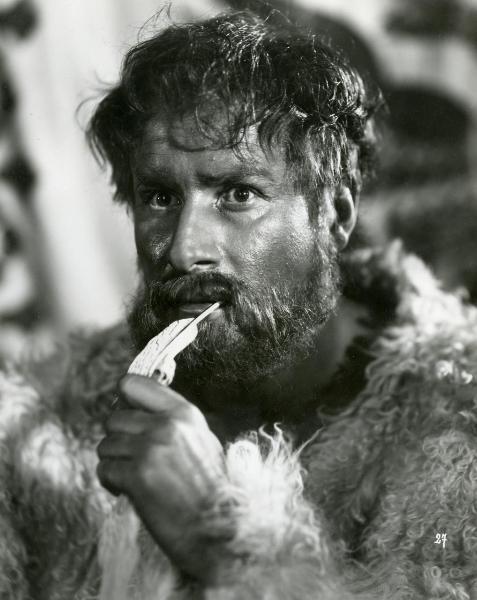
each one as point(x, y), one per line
point(427, 336)
point(415, 418)
point(427, 352)
point(422, 376)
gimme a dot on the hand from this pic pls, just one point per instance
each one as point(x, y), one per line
point(160, 452)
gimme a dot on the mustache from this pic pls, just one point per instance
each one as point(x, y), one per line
point(200, 287)
point(244, 307)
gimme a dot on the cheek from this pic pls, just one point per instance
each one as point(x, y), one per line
point(151, 244)
point(281, 249)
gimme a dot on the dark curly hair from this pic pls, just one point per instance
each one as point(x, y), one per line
point(302, 96)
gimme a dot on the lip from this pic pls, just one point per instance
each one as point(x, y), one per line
point(192, 309)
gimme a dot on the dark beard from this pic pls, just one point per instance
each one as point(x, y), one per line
point(262, 332)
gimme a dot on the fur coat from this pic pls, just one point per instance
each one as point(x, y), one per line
point(360, 512)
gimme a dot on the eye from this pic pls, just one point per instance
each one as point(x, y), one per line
point(239, 195)
point(158, 199)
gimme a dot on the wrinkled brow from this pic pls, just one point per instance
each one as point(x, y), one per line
point(239, 171)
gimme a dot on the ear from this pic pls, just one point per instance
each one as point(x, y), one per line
point(346, 213)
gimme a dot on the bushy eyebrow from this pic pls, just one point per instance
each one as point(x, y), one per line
point(237, 173)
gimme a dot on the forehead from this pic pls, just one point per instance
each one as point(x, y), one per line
point(171, 143)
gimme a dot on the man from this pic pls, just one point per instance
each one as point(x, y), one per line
point(279, 464)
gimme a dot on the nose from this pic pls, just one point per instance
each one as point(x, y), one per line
point(194, 245)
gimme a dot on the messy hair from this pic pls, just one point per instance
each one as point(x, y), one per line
point(301, 96)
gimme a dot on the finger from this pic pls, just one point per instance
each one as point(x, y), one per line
point(117, 446)
point(144, 392)
point(127, 421)
point(115, 475)
point(137, 427)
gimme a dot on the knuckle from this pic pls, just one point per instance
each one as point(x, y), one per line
point(188, 413)
point(145, 472)
point(166, 436)
point(180, 428)
point(196, 415)
point(180, 432)
point(160, 430)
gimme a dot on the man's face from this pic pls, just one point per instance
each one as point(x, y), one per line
point(213, 224)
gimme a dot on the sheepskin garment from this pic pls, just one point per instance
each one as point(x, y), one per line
point(381, 503)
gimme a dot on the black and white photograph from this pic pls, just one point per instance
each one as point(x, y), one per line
point(238, 300)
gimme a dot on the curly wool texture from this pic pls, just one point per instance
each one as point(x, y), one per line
point(272, 522)
point(400, 463)
point(358, 509)
point(284, 548)
point(52, 504)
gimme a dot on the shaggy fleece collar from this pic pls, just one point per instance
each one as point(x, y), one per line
point(399, 464)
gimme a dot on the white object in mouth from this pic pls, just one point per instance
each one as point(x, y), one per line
point(160, 351)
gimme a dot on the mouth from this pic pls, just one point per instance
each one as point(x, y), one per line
point(192, 299)
point(195, 307)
